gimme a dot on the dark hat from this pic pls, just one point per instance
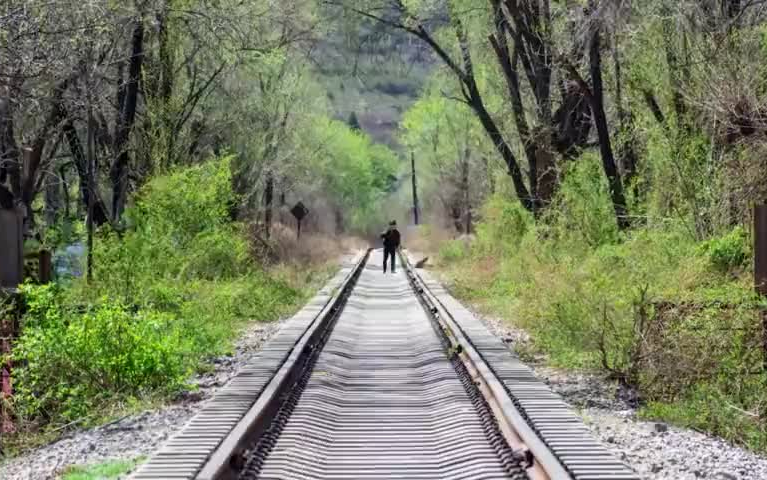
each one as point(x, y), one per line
point(393, 223)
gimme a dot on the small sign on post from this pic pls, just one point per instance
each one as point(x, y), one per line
point(299, 211)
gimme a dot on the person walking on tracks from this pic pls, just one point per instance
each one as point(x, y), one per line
point(391, 244)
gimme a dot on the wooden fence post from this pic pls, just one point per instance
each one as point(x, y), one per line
point(9, 330)
point(11, 275)
point(760, 267)
point(11, 248)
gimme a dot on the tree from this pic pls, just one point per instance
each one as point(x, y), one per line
point(520, 32)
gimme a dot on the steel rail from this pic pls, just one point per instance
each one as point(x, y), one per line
point(559, 445)
point(212, 445)
point(384, 401)
point(384, 378)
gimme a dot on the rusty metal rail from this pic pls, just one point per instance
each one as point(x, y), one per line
point(384, 376)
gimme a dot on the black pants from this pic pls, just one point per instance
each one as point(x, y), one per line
point(390, 253)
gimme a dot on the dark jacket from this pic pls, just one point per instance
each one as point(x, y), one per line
point(391, 239)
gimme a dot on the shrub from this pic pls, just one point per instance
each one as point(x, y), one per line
point(504, 225)
point(727, 252)
point(70, 362)
point(582, 212)
point(452, 250)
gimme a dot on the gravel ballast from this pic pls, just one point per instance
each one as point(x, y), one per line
point(657, 451)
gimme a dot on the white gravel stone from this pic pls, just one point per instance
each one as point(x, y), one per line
point(135, 435)
point(656, 451)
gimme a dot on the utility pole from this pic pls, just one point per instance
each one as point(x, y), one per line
point(268, 197)
point(415, 188)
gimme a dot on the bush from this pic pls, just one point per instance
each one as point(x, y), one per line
point(582, 212)
point(728, 252)
point(70, 362)
point(504, 225)
point(452, 250)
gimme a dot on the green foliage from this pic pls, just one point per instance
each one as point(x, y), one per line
point(90, 356)
point(655, 308)
point(180, 230)
point(505, 223)
point(582, 213)
point(104, 471)
point(170, 292)
point(358, 173)
point(453, 250)
point(728, 252)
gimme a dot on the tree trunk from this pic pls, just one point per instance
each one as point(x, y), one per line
point(128, 95)
point(672, 62)
point(627, 147)
point(491, 129)
point(52, 199)
point(165, 88)
point(10, 164)
point(339, 218)
point(100, 213)
point(65, 191)
point(600, 119)
point(508, 65)
point(268, 199)
point(466, 192)
point(415, 188)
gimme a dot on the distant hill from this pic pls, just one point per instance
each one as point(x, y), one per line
point(372, 74)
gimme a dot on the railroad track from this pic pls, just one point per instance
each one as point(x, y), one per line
point(384, 376)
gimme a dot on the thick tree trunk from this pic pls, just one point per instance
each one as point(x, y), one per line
point(508, 66)
point(492, 130)
point(128, 95)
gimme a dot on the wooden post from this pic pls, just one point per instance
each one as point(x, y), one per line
point(9, 330)
point(45, 265)
point(760, 266)
point(11, 248)
point(11, 275)
point(415, 189)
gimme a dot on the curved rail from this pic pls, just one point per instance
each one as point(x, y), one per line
point(533, 419)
